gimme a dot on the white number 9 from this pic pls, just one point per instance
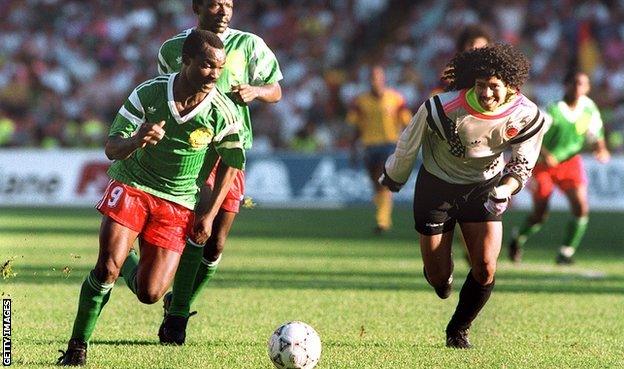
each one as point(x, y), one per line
point(115, 195)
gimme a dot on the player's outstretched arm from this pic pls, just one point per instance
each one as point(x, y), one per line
point(270, 93)
point(119, 148)
point(601, 153)
point(210, 202)
point(399, 165)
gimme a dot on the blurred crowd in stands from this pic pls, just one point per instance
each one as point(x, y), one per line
point(66, 66)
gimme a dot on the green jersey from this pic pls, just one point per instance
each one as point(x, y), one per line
point(249, 61)
point(192, 143)
point(572, 129)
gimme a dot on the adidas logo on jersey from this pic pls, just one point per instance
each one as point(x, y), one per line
point(151, 109)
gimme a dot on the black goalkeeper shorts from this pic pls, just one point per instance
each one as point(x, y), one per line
point(438, 205)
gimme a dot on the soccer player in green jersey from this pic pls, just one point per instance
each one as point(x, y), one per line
point(251, 73)
point(576, 123)
point(165, 138)
point(464, 178)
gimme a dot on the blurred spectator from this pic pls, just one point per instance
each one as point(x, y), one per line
point(305, 140)
point(61, 60)
point(7, 129)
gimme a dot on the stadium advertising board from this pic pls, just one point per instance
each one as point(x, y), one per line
point(78, 178)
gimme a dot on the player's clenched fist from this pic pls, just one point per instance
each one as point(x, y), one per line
point(150, 134)
point(202, 230)
point(245, 93)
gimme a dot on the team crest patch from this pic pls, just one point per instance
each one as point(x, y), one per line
point(512, 130)
point(201, 137)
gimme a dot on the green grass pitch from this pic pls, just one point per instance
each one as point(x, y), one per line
point(364, 294)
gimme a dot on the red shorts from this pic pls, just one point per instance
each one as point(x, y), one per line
point(566, 175)
point(159, 222)
point(236, 193)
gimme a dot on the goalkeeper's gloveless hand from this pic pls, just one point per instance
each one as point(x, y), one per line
point(385, 180)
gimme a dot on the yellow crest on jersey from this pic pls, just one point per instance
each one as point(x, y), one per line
point(201, 137)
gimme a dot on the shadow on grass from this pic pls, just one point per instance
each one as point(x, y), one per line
point(126, 342)
point(62, 342)
point(355, 223)
point(519, 280)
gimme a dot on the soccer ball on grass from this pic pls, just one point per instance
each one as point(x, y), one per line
point(295, 345)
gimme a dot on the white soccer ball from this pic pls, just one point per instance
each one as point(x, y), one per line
point(295, 345)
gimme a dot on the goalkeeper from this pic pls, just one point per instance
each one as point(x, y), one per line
point(464, 178)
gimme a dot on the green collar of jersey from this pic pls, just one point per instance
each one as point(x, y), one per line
point(473, 102)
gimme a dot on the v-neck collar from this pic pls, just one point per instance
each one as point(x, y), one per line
point(572, 114)
point(172, 106)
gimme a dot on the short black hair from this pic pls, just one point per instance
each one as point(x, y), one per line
point(502, 61)
point(570, 76)
point(470, 33)
point(198, 40)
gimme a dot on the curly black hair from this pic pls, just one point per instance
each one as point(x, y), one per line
point(471, 33)
point(502, 61)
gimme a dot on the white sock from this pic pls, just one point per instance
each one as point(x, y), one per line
point(567, 251)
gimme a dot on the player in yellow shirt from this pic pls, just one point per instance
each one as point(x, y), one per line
point(379, 116)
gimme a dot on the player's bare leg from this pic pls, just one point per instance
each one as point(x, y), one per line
point(436, 251)
point(382, 198)
point(156, 269)
point(115, 242)
point(579, 205)
point(213, 250)
point(483, 241)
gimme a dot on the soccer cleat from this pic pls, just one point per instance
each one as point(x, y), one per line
point(76, 354)
point(443, 292)
point(564, 260)
point(457, 339)
point(379, 230)
point(515, 251)
point(172, 330)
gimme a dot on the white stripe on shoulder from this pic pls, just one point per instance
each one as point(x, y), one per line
point(136, 102)
point(230, 145)
point(436, 117)
point(131, 117)
point(164, 63)
point(229, 115)
point(149, 82)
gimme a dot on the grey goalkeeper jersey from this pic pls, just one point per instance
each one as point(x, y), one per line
point(462, 144)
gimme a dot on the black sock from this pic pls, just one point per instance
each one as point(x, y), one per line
point(472, 298)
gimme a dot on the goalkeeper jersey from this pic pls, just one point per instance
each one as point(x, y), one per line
point(463, 144)
point(571, 128)
point(190, 147)
point(249, 61)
